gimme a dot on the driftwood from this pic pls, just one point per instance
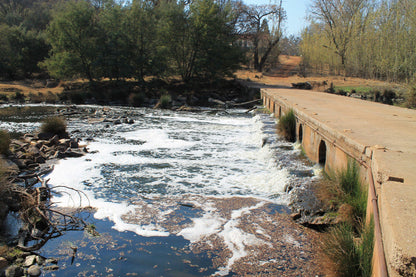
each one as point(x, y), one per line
point(41, 221)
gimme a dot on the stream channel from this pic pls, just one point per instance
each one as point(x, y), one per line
point(179, 194)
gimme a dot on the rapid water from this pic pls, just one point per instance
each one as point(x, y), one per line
point(215, 180)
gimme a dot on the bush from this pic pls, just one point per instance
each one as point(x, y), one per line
point(411, 98)
point(287, 126)
point(4, 142)
point(19, 97)
point(54, 125)
point(137, 99)
point(165, 101)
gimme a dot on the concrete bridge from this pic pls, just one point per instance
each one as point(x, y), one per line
point(382, 139)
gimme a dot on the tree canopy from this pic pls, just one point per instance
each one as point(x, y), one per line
point(97, 39)
point(371, 39)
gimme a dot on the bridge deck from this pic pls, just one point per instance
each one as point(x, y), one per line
point(391, 133)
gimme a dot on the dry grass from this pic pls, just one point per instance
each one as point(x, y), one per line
point(293, 61)
point(27, 87)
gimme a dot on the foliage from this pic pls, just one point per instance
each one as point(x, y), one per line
point(287, 125)
point(54, 125)
point(199, 39)
point(411, 98)
point(139, 39)
point(137, 99)
point(165, 101)
point(356, 38)
point(20, 51)
point(74, 36)
point(4, 142)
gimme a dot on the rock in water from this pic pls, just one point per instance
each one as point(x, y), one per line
point(30, 260)
point(14, 271)
point(34, 270)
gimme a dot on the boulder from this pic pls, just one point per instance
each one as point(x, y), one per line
point(30, 260)
point(14, 271)
point(34, 270)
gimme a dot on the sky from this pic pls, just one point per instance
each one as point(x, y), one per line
point(296, 12)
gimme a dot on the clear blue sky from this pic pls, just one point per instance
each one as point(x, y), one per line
point(296, 12)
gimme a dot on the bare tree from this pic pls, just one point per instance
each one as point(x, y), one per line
point(254, 22)
point(341, 18)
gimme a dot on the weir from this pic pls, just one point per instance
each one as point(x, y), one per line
point(333, 129)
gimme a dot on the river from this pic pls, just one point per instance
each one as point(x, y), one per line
point(180, 194)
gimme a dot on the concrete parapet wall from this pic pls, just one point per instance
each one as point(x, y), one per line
point(332, 148)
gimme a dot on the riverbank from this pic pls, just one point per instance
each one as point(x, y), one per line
point(175, 94)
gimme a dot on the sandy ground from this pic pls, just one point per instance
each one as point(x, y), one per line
point(287, 73)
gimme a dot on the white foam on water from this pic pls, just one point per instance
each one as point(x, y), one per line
point(236, 239)
point(210, 223)
point(193, 154)
point(155, 138)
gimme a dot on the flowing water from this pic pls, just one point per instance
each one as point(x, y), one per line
point(180, 194)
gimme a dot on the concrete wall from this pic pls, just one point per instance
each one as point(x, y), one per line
point(332, 150)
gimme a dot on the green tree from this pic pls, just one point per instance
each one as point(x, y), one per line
point(199, 38)
point(142, 40)
point(21, 51)
point(113, 60)
point(74, 36)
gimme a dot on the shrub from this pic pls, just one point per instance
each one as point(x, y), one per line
point(3, 98)
point(19, 97)
point(287, 126)
point(165, 101)
point(411, 98)
point(4, 142)
point(388, 96)
point(137, 99)
point(54, 125)
point(342, 92)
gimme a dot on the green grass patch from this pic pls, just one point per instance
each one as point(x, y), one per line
point(287, 126)
point(357, 89)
